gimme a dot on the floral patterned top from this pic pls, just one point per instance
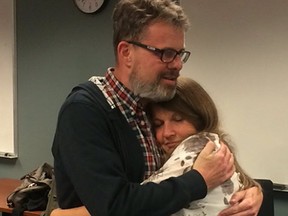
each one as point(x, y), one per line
point(181, 161)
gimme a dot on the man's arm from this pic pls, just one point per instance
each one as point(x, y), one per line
point(245, 203)
point(90, 169)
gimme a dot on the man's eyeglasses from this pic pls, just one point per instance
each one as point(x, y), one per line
point(166, 55)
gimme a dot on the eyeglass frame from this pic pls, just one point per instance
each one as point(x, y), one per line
point(158, 51)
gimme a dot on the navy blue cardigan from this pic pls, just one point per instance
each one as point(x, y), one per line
point(99, 163)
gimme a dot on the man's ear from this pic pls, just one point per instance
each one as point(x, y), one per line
point(124, 50)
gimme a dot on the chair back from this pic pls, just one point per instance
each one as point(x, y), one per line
point(267, 207)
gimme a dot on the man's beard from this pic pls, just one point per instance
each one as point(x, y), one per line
point(153, 91)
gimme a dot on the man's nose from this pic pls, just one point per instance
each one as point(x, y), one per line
point(176, 64)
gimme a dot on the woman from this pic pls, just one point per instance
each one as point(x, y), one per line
point(190, 112)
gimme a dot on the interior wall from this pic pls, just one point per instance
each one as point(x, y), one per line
point(57, 48)
point(239, 53)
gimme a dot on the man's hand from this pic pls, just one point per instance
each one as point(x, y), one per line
point(215, 167)
point(244, 203)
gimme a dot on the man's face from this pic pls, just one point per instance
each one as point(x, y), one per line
point(150, 76)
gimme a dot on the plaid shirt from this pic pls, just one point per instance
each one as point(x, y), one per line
point(119, 96)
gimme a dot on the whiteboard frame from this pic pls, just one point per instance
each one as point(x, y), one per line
point(11, 70)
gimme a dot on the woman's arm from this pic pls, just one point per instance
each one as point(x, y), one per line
point(77, 211)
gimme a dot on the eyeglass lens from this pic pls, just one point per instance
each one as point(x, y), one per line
point(169, 55)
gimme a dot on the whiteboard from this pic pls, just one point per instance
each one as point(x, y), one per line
point(7, 80)
point(239, 53)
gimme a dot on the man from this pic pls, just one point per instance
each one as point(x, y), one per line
point(103, 145)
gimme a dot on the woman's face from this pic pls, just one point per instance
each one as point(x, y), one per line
point(171, 128)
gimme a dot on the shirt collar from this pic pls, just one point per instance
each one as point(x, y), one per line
point(125, 94)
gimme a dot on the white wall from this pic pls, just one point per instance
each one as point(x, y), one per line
point(240, 55)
